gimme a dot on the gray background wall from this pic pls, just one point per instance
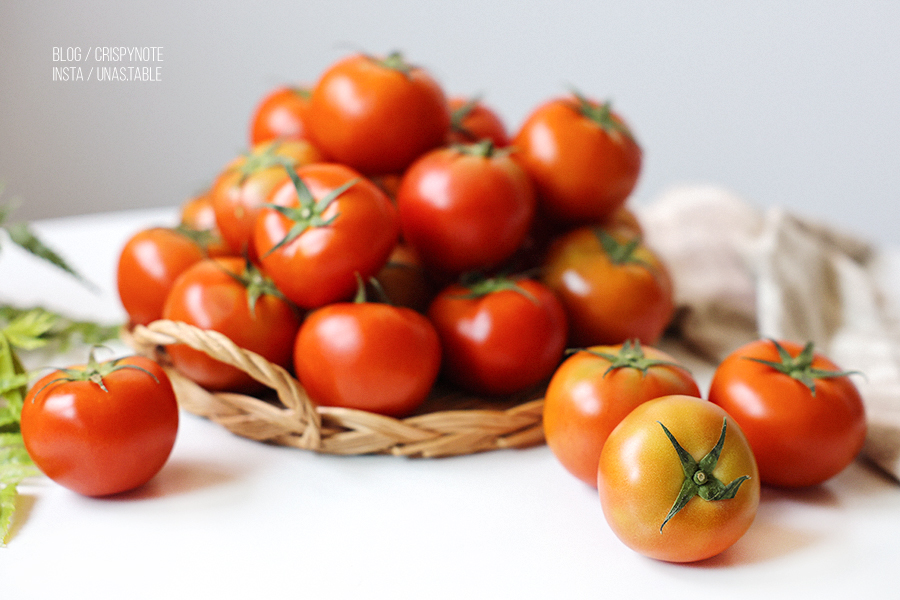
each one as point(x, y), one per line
point(788, 103)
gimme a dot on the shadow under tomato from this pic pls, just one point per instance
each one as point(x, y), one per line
point(180, 477)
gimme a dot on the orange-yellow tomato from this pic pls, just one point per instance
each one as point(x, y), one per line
point(641, 476)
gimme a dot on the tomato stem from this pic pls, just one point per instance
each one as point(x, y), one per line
point(308, 214)
point(698, 476)
point(479, 286)
point(94, 371)
point(800, 367)
point(602, 115)
point(631, 356)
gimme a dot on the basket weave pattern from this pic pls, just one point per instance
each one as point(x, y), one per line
point(449, 425)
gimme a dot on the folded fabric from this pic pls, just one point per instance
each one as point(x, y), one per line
point(742, 272)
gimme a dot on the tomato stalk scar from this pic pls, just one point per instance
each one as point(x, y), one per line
point(698, 476)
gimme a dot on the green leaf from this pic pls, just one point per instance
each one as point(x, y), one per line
point(22, 236)
point(8, 495)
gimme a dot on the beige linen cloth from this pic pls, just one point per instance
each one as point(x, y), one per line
point(742, 273)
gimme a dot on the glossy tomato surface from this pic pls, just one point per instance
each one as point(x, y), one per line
point(98, 441)
point(280, 114)
point(582, 156)
point(613, 286)
point(149, 263)
point(465, 208)
point(368, 356)
point(246, 184)
point(233, 298)
point(335, 227)
point(641, 478)
point(805, 425)
point(594, 389)
point(377, 115)
point(499, 336)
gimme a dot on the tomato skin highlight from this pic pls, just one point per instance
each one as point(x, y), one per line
point(587, 398)
point(367, 356)
point(503, 342)
point(799, 439)
point(321, 265)
point(374, 117)
point(640, 476)
point(96, 442)
point(582, 171)
point(465, 211)
point(208, 297)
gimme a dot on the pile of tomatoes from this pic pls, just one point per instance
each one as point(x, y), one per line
point(379, 237)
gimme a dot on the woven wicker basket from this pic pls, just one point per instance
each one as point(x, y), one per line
point(449, 423)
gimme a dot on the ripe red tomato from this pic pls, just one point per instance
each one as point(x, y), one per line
point(803, 416)
point(582, 157)
point(280, 114)
point(613, 286)
point(101, 428)
point(368, 356)
point(677, 480)
point(499, 335)
point(594, 389)
point(472, 121)
point(234, 298)
point(328, 227)
point(246, 184)
point(148, 265)
point(465, 208)
point(377, 115)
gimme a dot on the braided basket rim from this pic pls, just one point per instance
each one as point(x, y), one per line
point(291, 418)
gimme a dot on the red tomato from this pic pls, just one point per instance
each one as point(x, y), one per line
point(803, 416)
point(246, 184)
point(101, 428)
point(582, 157)
point(281, 114)
point(235, 299)
point(148, 265)
point(373, 357)
point(499, 335)
point(593, 390)
point(613, 286)
point(472, 121)
point(465, 208)
point(677, 480)
point(330, 226)
point(377, 115)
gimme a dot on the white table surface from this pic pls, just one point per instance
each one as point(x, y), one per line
point(232, 518)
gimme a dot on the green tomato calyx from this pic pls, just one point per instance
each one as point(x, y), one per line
point(800, 367)
point(630, 356)
point(478, 286)
point(698, 476)
point(261, 159)
point(256, 283)
point(603, 116)
point(94, 371)
point(620, 252)
point(309, 213)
